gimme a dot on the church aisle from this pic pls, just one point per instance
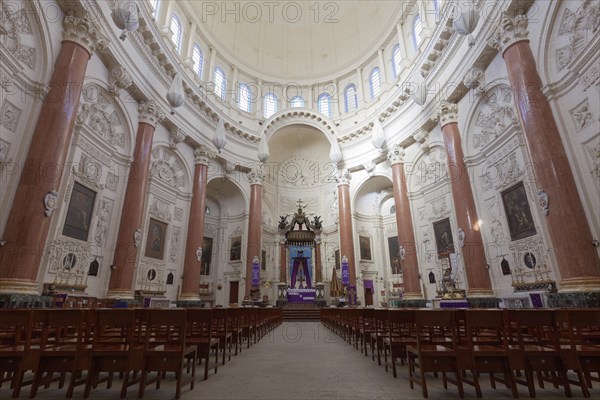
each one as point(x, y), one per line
point(301, 361)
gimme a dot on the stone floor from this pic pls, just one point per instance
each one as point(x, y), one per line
point(302, 361)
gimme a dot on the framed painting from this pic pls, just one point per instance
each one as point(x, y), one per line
point(79, 213)
point(207, 244)
point(364, 243)
point(394, 249)
point(518, 213)
point(443, 237)
point(156, 237)
point(235, 250)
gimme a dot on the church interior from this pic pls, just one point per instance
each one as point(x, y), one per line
point(323, 162)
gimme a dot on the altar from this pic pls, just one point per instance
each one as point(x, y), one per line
point(300, 255)
point(301, 295)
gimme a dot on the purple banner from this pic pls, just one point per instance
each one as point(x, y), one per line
point(301, 295)
point(255, 272)
point(345, 273)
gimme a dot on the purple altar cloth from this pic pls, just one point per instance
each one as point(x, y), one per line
point(301, 295)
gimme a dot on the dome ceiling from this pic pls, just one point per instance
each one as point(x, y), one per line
point(296, 40)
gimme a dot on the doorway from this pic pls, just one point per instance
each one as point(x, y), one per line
point(368, 297)
point(234, 288)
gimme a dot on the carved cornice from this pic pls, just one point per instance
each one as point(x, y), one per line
point(422, 137)
point(83, 32)
point(202, 155)
point(176, 136)
point(474, 79)
point(119, 79)
point(150, 113)
point(447, 113)
point(510, 31)
point(397, 154)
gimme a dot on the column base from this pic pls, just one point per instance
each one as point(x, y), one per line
point(485, 293)
point(411, 303)
point(189, 303)
point(120, 294)
point(483, 302)
point(574, 300)
point(412, 296)
point(18, 300)
point(579, 285)
point(189, 297)
point(19, 286)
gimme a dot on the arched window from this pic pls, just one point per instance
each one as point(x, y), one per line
point(396, 59)
point(436, 4)
point(297, 101)
point(269, 105)
point(350, 97)
point(176, 31)
point(154, 7)
point(244, 97)
point(375, 83)
point(417, 30)
point(220, 83)
point(324, 104)
point(197, 59)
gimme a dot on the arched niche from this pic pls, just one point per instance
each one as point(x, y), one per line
point(372, 194)
point(228, 195)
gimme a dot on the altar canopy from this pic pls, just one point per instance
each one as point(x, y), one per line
point(300, 266)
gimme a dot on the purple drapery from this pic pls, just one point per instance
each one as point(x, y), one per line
point(297, 262)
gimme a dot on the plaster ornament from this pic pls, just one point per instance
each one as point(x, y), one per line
point(543, 201)
point(466, 19)
point(137, 237)
point(199, 254)
point(419, 88)
point(50, 202)
point(220, 139)
point(461, 237)
point(263, 150)
point(402, 252)
point(335, 154)
point(176, 94)
point(378, 137)
point(125, 17)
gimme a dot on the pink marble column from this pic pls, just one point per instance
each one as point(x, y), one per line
point(37, 195)
point(473, 252)
point(345, 225)
point(571, 237)
point(195, 234)
point(406, 235)
point(254, 225)
point(282, 259)
point(130, 236)
point(318, 265)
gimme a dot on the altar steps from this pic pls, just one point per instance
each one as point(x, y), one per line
point(301, 312)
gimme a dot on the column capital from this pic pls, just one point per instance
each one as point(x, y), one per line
point(176, 136)
point(447, 113)
point(510, 31)
point(255, 176)
point(397, 154)
point(82, 30)
point(150, 113)
point(202, 155)
point(343, 177)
